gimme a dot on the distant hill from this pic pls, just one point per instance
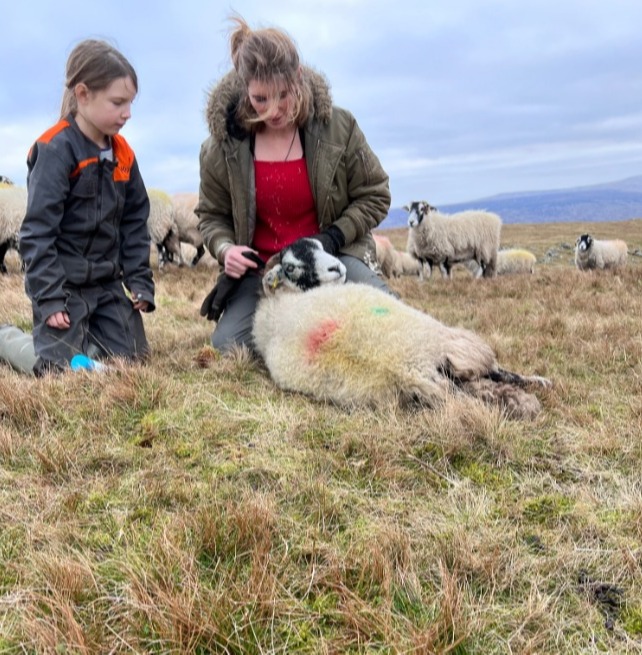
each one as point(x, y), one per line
point(613, 201)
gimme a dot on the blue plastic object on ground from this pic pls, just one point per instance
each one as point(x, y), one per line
point(81, 362)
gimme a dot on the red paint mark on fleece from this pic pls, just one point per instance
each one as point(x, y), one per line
point(319, 335)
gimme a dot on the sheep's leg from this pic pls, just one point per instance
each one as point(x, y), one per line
point(163, 256)
point(515, 402)
point(500, 375)
point(444, 267)
point(200, 251)
point(3, 251)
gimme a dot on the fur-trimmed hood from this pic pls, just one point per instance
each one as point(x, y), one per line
point(224, 97)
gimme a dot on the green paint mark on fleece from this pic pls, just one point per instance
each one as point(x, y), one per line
point(380, 311)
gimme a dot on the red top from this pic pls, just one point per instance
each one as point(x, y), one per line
point(285, 209)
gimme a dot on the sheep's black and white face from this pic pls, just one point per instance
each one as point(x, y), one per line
point(584, 242)
point(303, 265)
point(416, 212)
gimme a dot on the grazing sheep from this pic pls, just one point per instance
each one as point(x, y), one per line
point(392, 262)
point(5, 180)
point(445, 239)
point(187, 221)
point(13, 206)
point(592, 253)
point(162, 227)
point(355, 345)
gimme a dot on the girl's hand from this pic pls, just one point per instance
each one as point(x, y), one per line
point(59, 321)
point(140, 305)
point(235, 263)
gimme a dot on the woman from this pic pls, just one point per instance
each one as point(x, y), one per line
point(281, 163)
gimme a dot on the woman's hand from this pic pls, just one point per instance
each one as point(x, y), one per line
point(235, 263)
point(59, 321)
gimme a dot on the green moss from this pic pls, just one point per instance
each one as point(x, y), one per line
point(485, 475)
point(548, 509)
point(632, 620)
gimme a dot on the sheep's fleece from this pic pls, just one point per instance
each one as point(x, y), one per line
point(354, 345)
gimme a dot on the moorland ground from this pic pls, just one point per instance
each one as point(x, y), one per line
point(189, 506)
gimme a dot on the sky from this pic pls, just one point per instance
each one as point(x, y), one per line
point(459, 99)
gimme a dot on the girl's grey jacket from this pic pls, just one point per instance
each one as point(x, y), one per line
point(349, 185)
point(86, 219)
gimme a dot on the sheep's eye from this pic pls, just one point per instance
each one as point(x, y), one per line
point(289, 268)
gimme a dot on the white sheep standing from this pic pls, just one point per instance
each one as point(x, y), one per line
point(441, 239)
point(592, 253)
point(187, 222)
point(162, 227)
point(13, 207)
point(392, 262)
point(355, 345)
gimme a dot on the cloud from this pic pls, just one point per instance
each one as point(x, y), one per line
point(458, 99)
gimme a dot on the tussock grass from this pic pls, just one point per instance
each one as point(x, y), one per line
point(189, 506)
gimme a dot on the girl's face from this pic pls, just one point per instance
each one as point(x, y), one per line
point(273, 103)
point(101, 114)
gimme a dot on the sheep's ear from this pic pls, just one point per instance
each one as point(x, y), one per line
point(406, 208)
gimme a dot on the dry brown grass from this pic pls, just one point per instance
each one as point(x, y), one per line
point(189, 506)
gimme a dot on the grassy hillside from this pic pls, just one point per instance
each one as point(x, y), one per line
point(191, 507)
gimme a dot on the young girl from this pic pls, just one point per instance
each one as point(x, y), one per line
point(84, 238)
point(281, 163)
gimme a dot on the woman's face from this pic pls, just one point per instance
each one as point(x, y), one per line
point(273, 103)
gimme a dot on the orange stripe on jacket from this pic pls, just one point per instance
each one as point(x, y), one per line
point(83, 164)
point(52, 131)
point(50, 134)
point(124, 157)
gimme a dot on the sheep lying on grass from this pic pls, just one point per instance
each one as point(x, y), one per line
point(392, 262)
point(13, 206)
point(511, 261)
point(591, 253)
point(163, 230)
point(354, 345)
point(443, 240)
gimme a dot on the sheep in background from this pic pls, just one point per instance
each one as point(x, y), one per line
point(355, 345)
point(446, 239)
point(592, 253)
point(187, 221)
point(5, 180)
point(13, 207)
point(163, 231)
point(513, 261)
point(510, 261)
point(409, 265)
point(392, 262)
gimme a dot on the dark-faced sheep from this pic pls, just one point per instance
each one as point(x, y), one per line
point(355, 345)
point(592, 253)
point(446, 239)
